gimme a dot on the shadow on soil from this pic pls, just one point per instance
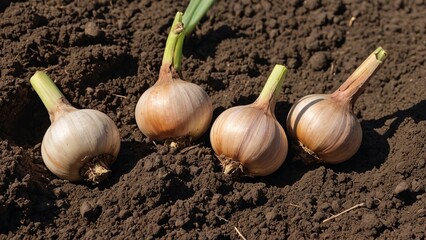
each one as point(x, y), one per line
point(121, 66)
point(23, 120)
point(205, 46)
point(375, 147)
point(130, 154)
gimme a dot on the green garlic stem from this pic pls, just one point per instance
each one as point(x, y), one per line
point(189, 11)
point(177, 59)
point(175, 31)
point(353, 87)
point(193, 14)
point(46, 89)
point(272, 88)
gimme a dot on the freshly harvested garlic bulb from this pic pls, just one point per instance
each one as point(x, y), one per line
point(248, 138)
point(327, 130)
point(324, 125)
point(172, 108)
point(80, 143)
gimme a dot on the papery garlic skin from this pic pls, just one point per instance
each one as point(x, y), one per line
point(327, 130)
point(324, 125)
point(248, 139)
point(250, 136)
point(75, 139)
point(173, 109)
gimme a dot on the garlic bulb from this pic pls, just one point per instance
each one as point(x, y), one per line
point(325, 129)
point(79, 144)
point(173, 109)
point(248, 138)
point(324, 125)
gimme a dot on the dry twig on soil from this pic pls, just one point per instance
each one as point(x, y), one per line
point(294, 205)
point(236, 229)
point(343, 212)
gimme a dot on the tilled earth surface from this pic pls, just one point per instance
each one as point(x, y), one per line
point(105, 54)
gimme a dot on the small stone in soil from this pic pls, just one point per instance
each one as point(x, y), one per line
point(179, 223)
point(318, 216)
point(324, 206)
point(401, 188)
point(148, 165)
point(341, 178)
point(91, 29)
point(312, 4)
point(89, 210)
point(335, 206)
point(370, 221)
point(124, 214)
point(319, 61)
point(272, 215)
point(58, 192)
point(369, 202)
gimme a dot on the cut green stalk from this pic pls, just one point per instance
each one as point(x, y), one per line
point(46, 89)
point(352, 88)
point(193, 14)
point(381, 54)
point(272, 88)
point(175, 31)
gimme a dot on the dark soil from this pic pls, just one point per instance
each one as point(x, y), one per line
point(105, 54)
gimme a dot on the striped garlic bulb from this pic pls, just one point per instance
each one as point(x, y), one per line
point(324, 126)
point(248, 139)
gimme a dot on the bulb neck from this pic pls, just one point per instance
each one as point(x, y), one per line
point(167, 74)
point(270, 92)
point(53, 99)
point(353, 87)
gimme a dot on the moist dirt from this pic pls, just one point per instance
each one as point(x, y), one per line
point(104, 54)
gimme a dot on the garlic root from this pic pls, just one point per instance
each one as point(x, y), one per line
point(231, 167)
point(96, 169)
